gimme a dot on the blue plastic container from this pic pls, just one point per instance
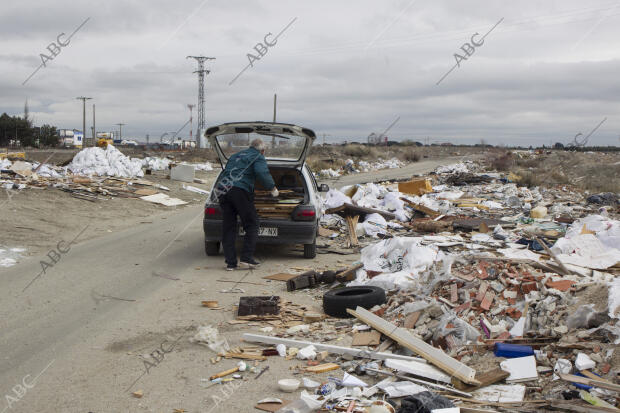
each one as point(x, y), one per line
point(512, 351)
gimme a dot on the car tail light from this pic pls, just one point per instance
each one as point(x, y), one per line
point(304, 213)
point(213, 212)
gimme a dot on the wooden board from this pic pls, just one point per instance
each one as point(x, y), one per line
point(431, 213)
point(322, 368)
point(425, 350)
point(347, 209)
point(590, 382)
point(485, 378)
point(280, 276)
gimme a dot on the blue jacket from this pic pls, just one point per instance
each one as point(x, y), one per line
point(243, 168)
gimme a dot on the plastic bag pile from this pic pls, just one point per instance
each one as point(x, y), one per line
point(109, 161)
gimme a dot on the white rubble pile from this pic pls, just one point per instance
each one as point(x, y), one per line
point(399, 261)
point(203, 166)
point(155, 163)
point(580, 247)
point(455, 168)
point(105, 162)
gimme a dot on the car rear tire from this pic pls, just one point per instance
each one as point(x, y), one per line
point(212, 247)
point(310, 250)
point(336, 302)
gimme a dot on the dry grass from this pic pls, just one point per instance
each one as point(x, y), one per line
point(360, 151)
point(410, 155)
point(593, 172)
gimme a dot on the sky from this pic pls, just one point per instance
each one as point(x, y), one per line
point(523, 73)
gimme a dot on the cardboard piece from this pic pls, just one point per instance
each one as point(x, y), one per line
point(415, 186)
point(366, 338)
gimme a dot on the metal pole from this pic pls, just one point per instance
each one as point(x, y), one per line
point(83, 99)
point(94, 128)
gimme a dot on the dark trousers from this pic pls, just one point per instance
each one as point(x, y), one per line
point(238, 202)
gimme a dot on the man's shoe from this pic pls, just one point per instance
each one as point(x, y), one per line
point(252, 263)
point(231, 267)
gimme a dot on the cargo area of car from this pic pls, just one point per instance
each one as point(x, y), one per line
point(290, 184)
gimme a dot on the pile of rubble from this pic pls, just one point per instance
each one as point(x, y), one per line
point(94, 174)
point(472, 294)
point(350, 167)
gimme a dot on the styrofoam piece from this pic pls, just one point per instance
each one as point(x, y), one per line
point(163, 199)
point(520, 369)
point(349, 380)
point(185, 173)
point(307, 353)
point(447, 410)
point(501, 393)
point(583, 362)
point(419, 369)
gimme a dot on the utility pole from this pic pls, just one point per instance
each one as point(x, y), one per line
point(275, 103)
point(201, 89)
point(120, 130)
point(83, 99)
point(94, 130)
point(147, 139)
point(191, 123)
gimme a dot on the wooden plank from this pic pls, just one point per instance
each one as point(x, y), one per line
point(347, 209)
point(590, 382)
point(355, 352)
point(485, 378)
point(280, 276)
point(351, 224)
point(406, 339)
point(322, 368)
point(431, 213)
point(349, 273)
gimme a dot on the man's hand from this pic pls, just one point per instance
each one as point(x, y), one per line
point(274, 192)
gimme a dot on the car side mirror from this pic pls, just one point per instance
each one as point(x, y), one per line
point(324, 188)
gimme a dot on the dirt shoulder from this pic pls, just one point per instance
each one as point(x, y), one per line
point(35, 218)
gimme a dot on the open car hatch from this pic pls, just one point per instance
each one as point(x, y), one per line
point(285, 144)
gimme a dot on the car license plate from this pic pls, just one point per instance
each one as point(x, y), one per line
point(263, 232)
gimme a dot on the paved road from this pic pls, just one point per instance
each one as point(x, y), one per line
point(86, 289)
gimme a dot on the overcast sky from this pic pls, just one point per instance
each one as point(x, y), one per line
point(548, 71)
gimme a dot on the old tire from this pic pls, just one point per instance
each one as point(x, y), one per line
point(336, 302)
point(212, 247)
point(310, 250)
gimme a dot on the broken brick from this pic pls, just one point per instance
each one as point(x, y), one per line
point(562, 285)
point(454, 293)
point(528, 287)
point(488, 300)
point(482, 290)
